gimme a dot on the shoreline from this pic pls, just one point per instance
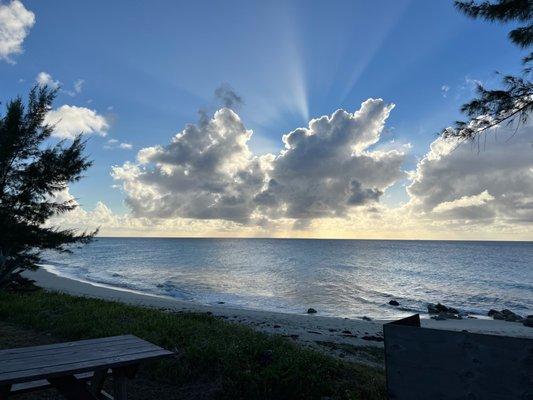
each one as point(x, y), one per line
point(306, 329)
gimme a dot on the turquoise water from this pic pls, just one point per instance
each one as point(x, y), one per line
point(348, 278)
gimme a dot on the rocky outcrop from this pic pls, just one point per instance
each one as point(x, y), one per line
point(441, 312)
point(505, 315)
point(394, 303)
point(528, 321)
point(311, 311)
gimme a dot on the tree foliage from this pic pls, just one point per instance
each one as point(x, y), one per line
point(514, 102)
point(32, 172)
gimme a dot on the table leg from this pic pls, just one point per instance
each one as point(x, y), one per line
point(119, 384)
point(97, 381)
point(71, 388)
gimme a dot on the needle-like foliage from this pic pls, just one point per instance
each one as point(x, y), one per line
point(32, 172)
point(514, 102)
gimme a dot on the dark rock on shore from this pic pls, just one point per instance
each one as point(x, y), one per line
point(365, 318)
point(528, 321)
point(442, 312)
point(311, 311)
point(441, 308)
point(394, 303)
point(505, 315)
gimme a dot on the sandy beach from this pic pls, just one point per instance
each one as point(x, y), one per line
point(327, 334)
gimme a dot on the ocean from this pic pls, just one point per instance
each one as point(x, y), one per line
point(344, 278)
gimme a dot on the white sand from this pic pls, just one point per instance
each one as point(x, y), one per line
point(305, 329)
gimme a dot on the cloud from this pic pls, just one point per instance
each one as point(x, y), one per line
point(327, 168)
point(445, 89)
point(15, 24)
point(78, 84)
point(455, 183)
point(464, 202)
point(116, 144)
point(228, 97)
point(70, 121)
point(207, 171)
point(45, 79)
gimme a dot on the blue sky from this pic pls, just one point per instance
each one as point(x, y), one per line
point(148, 67)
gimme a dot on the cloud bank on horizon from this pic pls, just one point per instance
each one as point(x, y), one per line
point(328, 179)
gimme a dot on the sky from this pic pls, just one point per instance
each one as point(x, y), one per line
point(274, 118)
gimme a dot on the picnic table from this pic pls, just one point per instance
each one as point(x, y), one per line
point(76, 369)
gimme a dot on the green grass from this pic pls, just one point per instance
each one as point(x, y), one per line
point(208, 348)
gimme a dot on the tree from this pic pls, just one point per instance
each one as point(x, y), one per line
point(514, 102)
point(32, 172)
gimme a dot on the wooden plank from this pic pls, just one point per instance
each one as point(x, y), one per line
point(69, 346)
point(42, 384)
point(83, 366)
point(424, 363)
point(74, 355)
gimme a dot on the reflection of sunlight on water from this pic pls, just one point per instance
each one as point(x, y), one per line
point(343, 278)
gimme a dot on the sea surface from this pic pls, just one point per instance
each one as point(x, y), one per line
point(346, 278)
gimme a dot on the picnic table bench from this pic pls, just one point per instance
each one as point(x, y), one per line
point(76, 369)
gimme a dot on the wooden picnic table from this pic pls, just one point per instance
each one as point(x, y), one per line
point(69, 366)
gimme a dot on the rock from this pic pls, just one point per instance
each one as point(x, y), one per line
point(440, 308)
point(221, 302)
point(311, 311)
point(346, 332)
point(528, 321)
point(276, 326)
point(366, 318)
point(394, 303)
point(505, 315)
point(438, 317)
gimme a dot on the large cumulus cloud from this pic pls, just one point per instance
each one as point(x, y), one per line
point(207, 170)
point(463, 183)
point(326, 168)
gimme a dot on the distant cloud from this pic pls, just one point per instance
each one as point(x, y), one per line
point(445, 89)
point(456, 183)
point(228, 97)
point(70, 121)
point(15, 24)
point(78, 84)
point(45, 79)
point(207, 171)
point(115, 144)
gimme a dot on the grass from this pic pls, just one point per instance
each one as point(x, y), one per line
point(370, 353)
point(243, 363)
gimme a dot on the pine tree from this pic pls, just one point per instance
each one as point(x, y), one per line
point(514, 102)
point(32, 172)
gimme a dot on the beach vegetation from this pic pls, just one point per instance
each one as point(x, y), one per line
point(34, 171)
point(236, 361)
